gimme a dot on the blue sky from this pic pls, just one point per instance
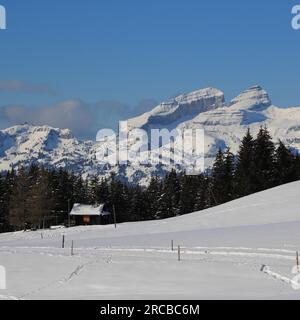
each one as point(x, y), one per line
point(64, 61)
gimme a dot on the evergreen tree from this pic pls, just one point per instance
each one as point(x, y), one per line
point(297, 166)
point(104, 195)
point(189, 188)
point(119, 200)
point(19, 211)
point(222, 178)
point(202, 193)
point(264, 150)
point(169, 200)
point(40, 200)
point(217, 179)
point(80, 191)
point(3, 213)
point(285, 165)
point(244, 179)
point(63, 190)
point(94, 191)
point(229, 176)
point(138, 205)
point(153, 193)
point(8, 183)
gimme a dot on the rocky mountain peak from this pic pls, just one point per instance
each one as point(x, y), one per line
point(253, 98)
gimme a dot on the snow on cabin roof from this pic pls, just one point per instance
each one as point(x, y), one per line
point(88, 210)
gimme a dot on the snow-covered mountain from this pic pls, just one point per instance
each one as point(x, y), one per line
point(224, 124)
point(180, 109)
point(25, 144)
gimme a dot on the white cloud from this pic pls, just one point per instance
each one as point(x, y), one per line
point(18, 86)
point(82, 118)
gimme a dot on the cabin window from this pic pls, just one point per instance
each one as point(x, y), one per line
point(86, 219)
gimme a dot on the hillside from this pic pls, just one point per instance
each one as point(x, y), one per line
point(223, 249)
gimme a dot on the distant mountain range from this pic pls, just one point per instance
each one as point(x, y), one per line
point(224, 123)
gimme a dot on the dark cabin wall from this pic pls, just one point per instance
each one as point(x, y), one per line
point(102, 220)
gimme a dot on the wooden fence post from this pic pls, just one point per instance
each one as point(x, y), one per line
point(63, 241)
point(72, 248)
point(297, 260)
point(179, 254)
point(172, 245)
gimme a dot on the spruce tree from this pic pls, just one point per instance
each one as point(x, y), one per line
point(41, 202)
point(7, 191)
point(94, 191)
point(104, 191)
point(153, 193)
point(297, 166)
point(217, 179)
point(19, 211)
point(202, 193)
point(285, 165)
point(264, 168)
point(63, 190)
point(138, 205)
point(169, 199)
point(3, 214)
point(118, 200)
point(229, 176)
point(244, 179)
point(188, 194)
point(80, 191)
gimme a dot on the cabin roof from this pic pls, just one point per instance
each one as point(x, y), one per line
point(88, 210)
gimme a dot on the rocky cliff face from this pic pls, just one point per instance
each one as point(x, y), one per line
point(180, 108)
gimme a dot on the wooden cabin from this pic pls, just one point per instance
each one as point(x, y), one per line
point(83, 215)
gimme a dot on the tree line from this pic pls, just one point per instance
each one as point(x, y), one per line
point(38, 197)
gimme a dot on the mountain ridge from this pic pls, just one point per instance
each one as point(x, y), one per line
point(225, 124)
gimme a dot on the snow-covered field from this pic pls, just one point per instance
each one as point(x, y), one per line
point(223, 250)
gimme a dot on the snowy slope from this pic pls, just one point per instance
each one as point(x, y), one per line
point(222, 250)
point(224, 125)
